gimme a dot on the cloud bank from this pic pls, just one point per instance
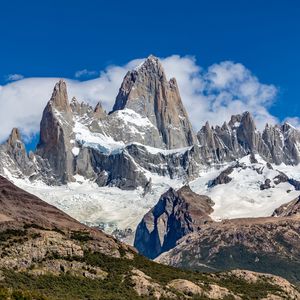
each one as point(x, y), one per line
point(212, 94)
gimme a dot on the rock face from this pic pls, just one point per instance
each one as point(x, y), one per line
point(258, 244)
point(277, 144)
point(56, 134)
point(289, 209)
point(148, 132)
point(77, 139)
point(147, 91)
point(14, 158)
point(176, 214)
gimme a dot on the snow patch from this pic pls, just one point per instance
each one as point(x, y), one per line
point(103, 143)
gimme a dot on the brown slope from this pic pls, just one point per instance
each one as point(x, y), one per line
point(270, 245)
point(20, 209)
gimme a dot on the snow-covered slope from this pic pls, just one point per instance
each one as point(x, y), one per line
point(114, 209)
point(109, 208)
point(243, 196)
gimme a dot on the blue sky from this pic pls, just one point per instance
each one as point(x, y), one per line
point(58, 38)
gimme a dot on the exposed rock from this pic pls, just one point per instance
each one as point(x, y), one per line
point(223, 178)
point(56, 133)
point(60, 266)
point(277, 144)
point(144, 285)
point(253, 277)
point(289, 209)
point(77, 139)
point(147, 91)
point(99, 112)
point(186, 287)
point(175, 215)
point(14, 158)
point(269, 245)
point(266, 185)
point(219, 292)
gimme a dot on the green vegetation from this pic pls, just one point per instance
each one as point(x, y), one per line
point(117, 285)
point(81, 236)
point(11, 234)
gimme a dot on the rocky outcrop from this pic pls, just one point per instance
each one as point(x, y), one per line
point(14, 158)
point(289, 209)
point(276, 144)
point(56, 134)
point(147, 91)
point(270, 245)
point(223, 177)
point(176, 214)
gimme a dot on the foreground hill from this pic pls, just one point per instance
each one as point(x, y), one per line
point(268, 244)
point(45, 254)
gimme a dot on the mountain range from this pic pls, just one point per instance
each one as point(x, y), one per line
point(225, 197)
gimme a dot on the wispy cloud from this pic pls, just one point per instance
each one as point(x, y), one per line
point(14, 77)
point(212, 94)
point(85, 73)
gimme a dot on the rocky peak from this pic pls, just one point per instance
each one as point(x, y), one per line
point(287, 127)
point(16, 147)
point(247, 134)
point(14, 158)
point(56, 133)
point(14, 137)
point(176, 214)
point(147, 91)
point(235, 120)
point(153, 66)
point(99, 112)
point(247, 121)
point(75, 105)
point(59, 98)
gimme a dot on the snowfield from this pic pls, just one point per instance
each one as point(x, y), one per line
point(242, 197)
point(111, 208)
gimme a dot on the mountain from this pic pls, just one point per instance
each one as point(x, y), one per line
point(176, 214)
point(45, 254)
point(265, 244)
point(147, 91)
point(147, 133)
point(110, 169)
point(240, 137)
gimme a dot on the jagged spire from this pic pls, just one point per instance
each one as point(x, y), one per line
point(99, 112)
point(147, 91)
point(14, 137)
point(16, 146)
point(59, 98)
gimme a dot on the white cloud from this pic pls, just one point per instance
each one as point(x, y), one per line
point(14, 77)
point(85, 73)
point(220, 91)
point(214, 94)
